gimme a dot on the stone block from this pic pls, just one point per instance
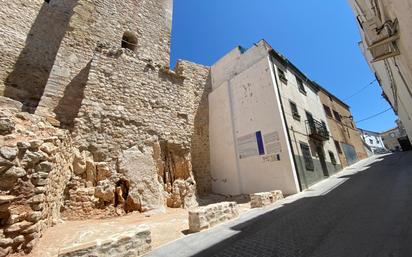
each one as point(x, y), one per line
point(6, 126)
point(8, 153)
point(259, 200)
point(208, 216)
point(134, 242)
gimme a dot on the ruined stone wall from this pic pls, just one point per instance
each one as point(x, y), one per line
point(200, 148)
point(149, 22)
point(30, 32)
point(160, 115)
point(35, 160)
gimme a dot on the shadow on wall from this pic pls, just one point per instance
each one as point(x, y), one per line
point(27, 81)
point(69, 105)
point(200, 148)
point(339, 223)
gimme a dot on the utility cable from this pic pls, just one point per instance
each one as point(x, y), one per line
point(374, 116)
point(360, 91)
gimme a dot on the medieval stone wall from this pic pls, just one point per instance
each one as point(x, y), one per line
point(31, 33)
point(147, 22)
point(156, 109)
point(35, 167)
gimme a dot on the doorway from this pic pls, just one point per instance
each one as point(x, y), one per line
point(321, 154)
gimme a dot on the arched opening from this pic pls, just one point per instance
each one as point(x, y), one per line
point(129, 41)
point(121, 192)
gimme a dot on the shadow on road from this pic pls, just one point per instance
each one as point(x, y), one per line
point(368, 215)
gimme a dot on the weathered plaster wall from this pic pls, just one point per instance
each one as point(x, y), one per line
point(344, 131)
point(306, 101)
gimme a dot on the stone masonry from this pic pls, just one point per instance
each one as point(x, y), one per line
point(35, 160)
point(205, 217)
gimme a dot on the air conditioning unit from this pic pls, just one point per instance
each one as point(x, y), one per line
point(380, 40)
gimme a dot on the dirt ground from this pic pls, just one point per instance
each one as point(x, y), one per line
point(165, 227)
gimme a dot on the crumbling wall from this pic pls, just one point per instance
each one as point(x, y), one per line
point(148, 115)
point(35, 160)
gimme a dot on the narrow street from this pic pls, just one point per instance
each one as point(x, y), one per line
point(368, 215)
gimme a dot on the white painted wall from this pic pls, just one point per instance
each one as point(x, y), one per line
point(373, 140)
point(223, 156)
point(249, 89)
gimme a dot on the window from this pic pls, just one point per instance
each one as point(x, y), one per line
point(327, 111)
point(301, 86)
point(371, 141)
point(295, 112)
point(282, 76)
point(307, 156)
point(309, 117)
point(47, 1)
point(129, 41)
point(337, 145)
point(337, 116)
point(332, 158)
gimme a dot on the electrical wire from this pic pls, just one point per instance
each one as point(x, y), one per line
point(374, 116)
point(360, 91)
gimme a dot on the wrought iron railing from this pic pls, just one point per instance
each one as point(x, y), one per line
point(317, 130)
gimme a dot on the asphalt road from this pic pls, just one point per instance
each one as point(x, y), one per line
point(369, 215)
point(364, 211)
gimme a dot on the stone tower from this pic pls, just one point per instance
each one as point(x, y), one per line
point(51, 46)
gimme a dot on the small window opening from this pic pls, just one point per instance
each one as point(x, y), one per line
point(337, 145)
point(332, 158)
point(47, 1)
point(295, 112)
point(129, 41)
point(301, 86)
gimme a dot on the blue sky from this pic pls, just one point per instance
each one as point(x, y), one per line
point(318, 36)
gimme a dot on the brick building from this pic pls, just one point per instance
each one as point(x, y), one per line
point(346, 137)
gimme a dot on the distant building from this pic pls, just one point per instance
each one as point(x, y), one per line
point(391, 139)
point(385, 27)
point(346, 137)
point(403, 139)
point(268, 128)
point(374, 141)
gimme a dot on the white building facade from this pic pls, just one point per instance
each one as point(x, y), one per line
point(374, 141)
point(386, 44)
point(267, 125)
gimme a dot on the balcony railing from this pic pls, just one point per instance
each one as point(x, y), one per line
point(317, 130)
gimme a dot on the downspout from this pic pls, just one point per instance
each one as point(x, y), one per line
point(285, 122)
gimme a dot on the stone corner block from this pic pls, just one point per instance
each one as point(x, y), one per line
point(258, 200)
point(205, 217)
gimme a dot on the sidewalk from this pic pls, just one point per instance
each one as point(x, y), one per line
point(195, 243)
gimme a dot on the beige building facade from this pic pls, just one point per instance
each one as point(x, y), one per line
point(386, 39)
point(345, 135)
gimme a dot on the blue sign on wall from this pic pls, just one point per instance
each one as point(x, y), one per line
point(259, 140)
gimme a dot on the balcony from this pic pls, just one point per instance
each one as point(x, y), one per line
point(317, 130)
point(381, 38)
